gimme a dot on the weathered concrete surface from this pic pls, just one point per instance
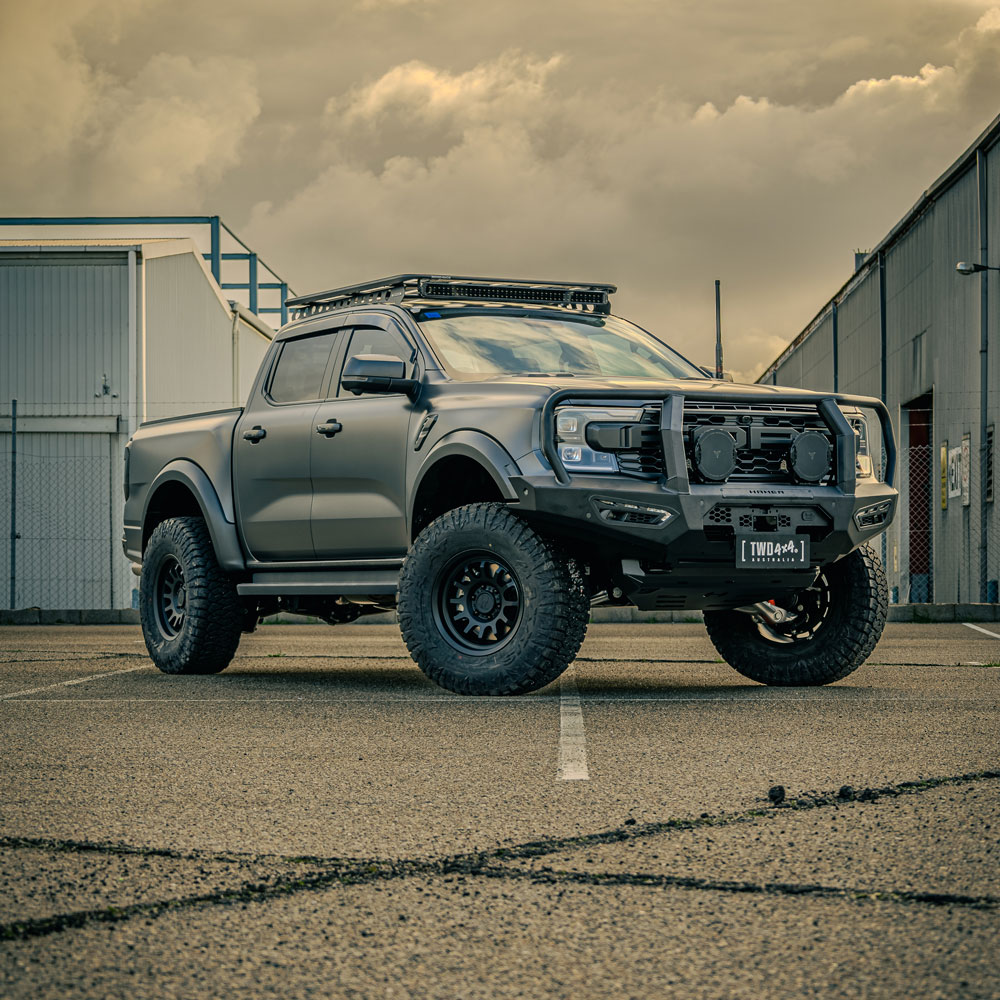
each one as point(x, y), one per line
point(321, 820)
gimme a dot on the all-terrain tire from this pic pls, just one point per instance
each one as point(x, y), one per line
point(479, 561)
point(191, 615)
point(841, 641)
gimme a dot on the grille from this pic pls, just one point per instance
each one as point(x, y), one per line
point(767, 430)
point(647, 459)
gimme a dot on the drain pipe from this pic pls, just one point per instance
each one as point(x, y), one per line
point(984, 344)
point(240, 312)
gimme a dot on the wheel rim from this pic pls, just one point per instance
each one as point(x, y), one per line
point(171, 597)
point(811, 610)
point(478, 603)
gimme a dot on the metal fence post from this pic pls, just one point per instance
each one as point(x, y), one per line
point(13, 501)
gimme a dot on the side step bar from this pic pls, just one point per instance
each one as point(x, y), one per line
point(332, 582)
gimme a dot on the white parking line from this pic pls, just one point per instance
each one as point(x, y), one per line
point(76, 680)
point(572, 739)
point(983, 630)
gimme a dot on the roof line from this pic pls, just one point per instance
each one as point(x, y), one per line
point(985, 141)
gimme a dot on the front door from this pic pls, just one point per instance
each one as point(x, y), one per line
point(359, 470)
point(271, 450)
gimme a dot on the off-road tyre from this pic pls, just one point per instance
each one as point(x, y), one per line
point(840, 642)
point(198, 635)
point(505, 556)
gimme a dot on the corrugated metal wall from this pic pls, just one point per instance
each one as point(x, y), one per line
point(64, 355)
point(932, 349)
point(189, 342)
point(64, 321)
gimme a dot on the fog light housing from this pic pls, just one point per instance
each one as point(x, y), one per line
point(874, 515)
point(715, 455)
point(809, 456)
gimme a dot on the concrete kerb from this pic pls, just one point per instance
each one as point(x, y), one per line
point(919, 613)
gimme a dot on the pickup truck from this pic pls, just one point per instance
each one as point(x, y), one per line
point(492, 458)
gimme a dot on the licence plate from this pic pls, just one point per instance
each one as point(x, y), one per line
point(771, 550)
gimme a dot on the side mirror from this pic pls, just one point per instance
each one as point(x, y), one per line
point(377, 373)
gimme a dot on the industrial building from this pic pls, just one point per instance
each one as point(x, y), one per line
point(102, 326)
point(910, 328)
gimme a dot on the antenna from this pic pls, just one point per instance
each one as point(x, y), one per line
point(718, 333)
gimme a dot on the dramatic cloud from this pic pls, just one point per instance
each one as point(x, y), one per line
point(79, 139)
point(501, 169)
point(661, 147)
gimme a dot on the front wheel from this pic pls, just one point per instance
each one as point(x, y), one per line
point(835, 626)
point(487, 606)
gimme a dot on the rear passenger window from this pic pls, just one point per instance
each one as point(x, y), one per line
point(300, 369)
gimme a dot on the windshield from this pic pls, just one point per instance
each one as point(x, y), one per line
point(477, 345)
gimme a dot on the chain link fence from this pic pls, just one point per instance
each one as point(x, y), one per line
point(66, 519)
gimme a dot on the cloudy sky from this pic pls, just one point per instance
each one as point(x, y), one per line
point(659, 144)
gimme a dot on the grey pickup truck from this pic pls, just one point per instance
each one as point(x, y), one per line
point(493, 458)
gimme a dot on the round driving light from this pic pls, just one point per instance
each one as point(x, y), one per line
point(810, 456)
point(715, 455)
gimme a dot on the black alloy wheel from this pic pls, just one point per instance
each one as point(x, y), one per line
point(837, 623)
point(487, 605)
point(807, 615)
point(478, 603)
point(170, 598)
point(192, 617)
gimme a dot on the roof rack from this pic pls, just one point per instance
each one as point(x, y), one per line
point(559, 294)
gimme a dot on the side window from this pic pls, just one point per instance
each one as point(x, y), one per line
point(298, 375)
point(372, 340)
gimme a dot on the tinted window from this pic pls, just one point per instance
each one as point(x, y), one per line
point(478, 345)
point(299, 373)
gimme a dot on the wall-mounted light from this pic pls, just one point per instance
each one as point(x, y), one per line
point(964, 267)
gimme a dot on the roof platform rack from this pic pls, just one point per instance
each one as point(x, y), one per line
point(506, 291)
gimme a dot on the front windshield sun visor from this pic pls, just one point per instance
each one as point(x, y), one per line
point(481, 344)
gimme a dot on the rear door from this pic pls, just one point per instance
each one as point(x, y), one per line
point(271, 449)
point(359, 470)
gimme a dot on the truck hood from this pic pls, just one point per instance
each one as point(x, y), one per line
point(687, 387)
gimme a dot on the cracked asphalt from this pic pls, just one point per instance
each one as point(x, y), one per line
point(320, 820)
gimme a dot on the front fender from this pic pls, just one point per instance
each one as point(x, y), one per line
point(223, 532)
point(481, 448)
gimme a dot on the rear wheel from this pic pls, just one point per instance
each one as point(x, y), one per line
point(487, 606)
point(832, 628)
point(191, 615)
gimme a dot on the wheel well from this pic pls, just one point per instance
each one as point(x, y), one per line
point(172, 499)
point(452, 482)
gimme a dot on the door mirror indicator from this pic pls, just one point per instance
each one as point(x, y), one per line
point(377, 373)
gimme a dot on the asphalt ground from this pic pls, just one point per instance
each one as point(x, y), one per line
point(321, 820)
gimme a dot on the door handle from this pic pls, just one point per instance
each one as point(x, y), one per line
point(256, 434)
point(329, 428)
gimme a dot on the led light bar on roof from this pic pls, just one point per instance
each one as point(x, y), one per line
point(565, 294)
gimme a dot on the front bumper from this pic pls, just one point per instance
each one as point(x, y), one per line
point(686, 557)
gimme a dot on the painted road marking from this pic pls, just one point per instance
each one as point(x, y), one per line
point(76, 680)
point(447, 699)
point(983, 630)
point(572, 738)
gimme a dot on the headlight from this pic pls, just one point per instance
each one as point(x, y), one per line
point(864, 467)
point(571, 435)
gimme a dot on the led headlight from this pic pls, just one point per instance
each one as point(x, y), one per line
point(864, 468)
point(571, 435)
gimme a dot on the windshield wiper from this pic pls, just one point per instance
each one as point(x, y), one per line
point(545, 374)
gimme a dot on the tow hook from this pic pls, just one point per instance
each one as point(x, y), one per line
point(774, 614)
